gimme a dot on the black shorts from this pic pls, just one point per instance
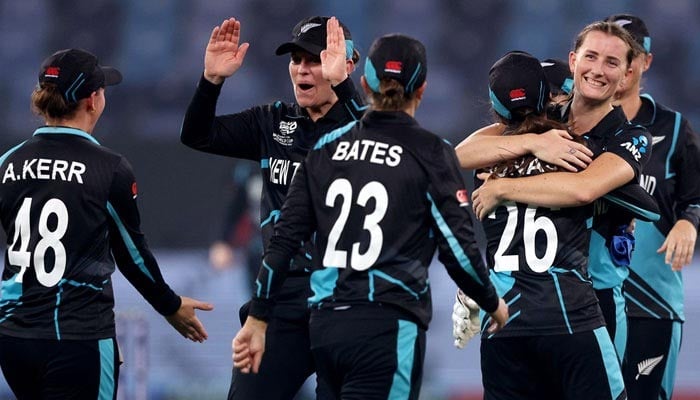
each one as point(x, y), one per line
point(60, 369)
point(368, 352)
point(558, 367)
point(287, 361)
point(650, 362)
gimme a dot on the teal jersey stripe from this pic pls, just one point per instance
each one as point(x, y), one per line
point(612, 366)
point(131, 247)
point(561, 300)
point(273, 217)
point(333, 135)
point(452, 242)
point(388, 278)
point(12, 150)
point(48, 130)
point(107, 375)
point(323, 284)
point(405, 353)
point(676, 130)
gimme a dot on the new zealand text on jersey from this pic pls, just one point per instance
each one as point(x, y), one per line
point(279, 171)
point(45, 168)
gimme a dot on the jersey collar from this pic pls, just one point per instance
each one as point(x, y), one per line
point(646, 116)
point(64, 130)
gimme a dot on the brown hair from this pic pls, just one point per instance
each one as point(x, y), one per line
point(391, 96)
point(525, 165)
point(611, 29)
point(48, 102)
point(355, 56)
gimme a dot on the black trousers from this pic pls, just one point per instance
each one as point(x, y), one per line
point(578, 366)
point(60, 369)
point(287, 361)
point(367, 352)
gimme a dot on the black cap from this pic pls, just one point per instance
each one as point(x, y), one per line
point(310, 35)
point(77, 74)
point(399, 57)
point(635, 26)
point(517, 80)
point(558, 75)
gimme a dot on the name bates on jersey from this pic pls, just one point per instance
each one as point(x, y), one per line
point(45, 169)
point(363, 150)
point(368, 150)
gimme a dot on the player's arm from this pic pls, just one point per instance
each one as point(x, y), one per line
point(336, 65)
point(679, 244)
point(296, 224)
point(136, 262)
point(487, 146)
point(235, 135)
point(453, 224)
point(621, 163)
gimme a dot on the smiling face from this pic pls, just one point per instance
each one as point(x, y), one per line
point(599, 66)
point(311, 91)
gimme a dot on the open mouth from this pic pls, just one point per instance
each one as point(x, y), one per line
point(305, 86)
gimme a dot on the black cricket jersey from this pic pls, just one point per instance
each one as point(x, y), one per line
point(277, 135)
point(539, 259)
point(68, 206)
point(380, 194)
point(632, 142)
point(652, 289)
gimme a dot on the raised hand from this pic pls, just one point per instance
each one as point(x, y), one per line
point(224, 55)
point(333, 58)
point(186, 322)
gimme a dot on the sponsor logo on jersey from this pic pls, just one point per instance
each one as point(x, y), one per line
point(308, 26)
point(636, 147)
point(462, 197)
point(284, 137)
point(645, 367)
point(393, 66)
point(517, 94)
point(657, 139)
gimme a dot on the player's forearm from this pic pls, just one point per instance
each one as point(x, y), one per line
point(486, 147)
point(199, 117)
point(554, 190)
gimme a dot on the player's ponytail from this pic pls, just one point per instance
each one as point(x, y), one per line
point(48, 102)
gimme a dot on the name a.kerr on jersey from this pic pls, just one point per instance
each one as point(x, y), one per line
point(45, 169)
point(368, 150)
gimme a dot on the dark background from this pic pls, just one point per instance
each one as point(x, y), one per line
point(159, 47)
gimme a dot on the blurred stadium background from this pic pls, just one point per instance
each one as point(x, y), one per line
point(159, 47)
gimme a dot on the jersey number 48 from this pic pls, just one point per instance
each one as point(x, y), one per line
point(50, 239)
